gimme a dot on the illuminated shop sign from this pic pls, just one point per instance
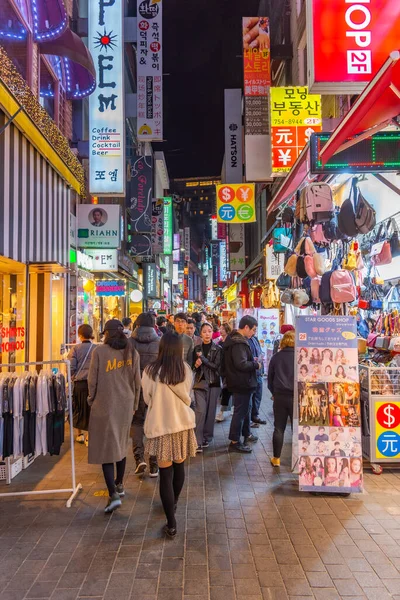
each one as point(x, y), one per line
point(106, 104)
point(168, 225)
point(348, 41)
point(110, 287)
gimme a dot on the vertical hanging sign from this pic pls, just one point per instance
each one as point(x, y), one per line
point(106, 104)
point(168, 225)
point(149, 70)
point(257, 83)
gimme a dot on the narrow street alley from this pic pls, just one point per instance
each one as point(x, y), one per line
point(244, 532)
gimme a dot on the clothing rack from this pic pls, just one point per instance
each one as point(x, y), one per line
point(76, 487)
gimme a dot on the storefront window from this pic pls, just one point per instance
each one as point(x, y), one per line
point(57, 315)
point(12, 312)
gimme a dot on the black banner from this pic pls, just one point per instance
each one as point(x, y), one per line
point(139, 194)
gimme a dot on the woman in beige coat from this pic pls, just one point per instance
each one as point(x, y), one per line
point(170, 422)
point(114, 389)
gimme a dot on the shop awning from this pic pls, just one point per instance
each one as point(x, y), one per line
point(79, 68)
point(293, 181)
point(49, 19)
point(373, 110)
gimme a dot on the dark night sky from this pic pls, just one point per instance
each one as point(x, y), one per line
point(202, 40)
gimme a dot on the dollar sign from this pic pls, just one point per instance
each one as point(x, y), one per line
point(308, 133)
point(388, 413)
point(226, 194)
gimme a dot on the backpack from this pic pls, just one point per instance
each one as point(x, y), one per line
point(342, 287)
point(325, 288)
point(347, 217)
point(317, 234)
point(319, 202)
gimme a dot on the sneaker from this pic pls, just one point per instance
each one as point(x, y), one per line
point(153, 471)
point(170, 531)
point(251, 439)
point(239, 447)
point(113, 503)
point(259, 421)
point(275, 462)
point(120, 489)
point(141, 466)
point(205, 444)
point(220, 416)
point(80, 439)
point(199, 449)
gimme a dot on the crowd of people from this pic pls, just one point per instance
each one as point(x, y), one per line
point(165, 382)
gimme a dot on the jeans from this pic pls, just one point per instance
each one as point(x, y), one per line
point(240, 424)
point(283, 408)
point(205, 409)
point(256, 399)
point(138, 432)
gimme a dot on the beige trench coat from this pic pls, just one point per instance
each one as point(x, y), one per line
point(114, 389)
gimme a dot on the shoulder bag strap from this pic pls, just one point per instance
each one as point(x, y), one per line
point(174, 392)
point(84, 360)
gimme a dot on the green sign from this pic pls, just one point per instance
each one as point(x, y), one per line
point(168, 226)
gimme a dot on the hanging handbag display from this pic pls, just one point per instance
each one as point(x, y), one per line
point(283, 282)
point(347, 218)
point(365, 215)
point(350, 261)
point(380, 252)
point(282, 239)
point(374, 333)
point(394, 237)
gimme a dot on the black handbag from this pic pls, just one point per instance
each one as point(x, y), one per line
point(283, 282)
point(394, 237)
point(347, 217)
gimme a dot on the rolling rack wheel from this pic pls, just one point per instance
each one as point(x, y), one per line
point(376, 469)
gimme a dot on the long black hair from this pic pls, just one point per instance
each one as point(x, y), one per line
point(169, 365)
point(117, 340)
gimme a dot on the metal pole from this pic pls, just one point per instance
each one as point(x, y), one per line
point(10, 120)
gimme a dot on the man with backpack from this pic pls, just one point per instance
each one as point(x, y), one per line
point(240, 370)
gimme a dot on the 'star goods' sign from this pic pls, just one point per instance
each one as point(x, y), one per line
point(149, 70)
point(236, 203)
point(348, 41)
point(106, 104)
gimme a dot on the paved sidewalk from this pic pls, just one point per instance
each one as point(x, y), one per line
point(245, 533)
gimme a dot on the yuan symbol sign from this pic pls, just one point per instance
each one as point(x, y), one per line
point(106, 104)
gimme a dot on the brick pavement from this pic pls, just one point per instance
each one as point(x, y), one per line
point(245, 533)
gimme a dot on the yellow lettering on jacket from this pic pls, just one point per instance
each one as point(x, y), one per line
point(111, 365)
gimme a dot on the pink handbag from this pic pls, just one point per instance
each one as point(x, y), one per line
point(315, 283)
point(381, 254)
point(342, 287)
point(317, 234)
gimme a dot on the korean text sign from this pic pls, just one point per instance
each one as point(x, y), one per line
point(349, 41)
point(256, 56)
point(98, 226)
point(295, 115)
point(236, 203)
point(106, 104)
point(168, 225)
point(328, 405)
point(149, 70)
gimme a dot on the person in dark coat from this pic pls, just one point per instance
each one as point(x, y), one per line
point(240, 370)
point(146, 341)
point(281, 386)
point(207, 386)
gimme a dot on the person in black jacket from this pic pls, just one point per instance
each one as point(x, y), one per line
point(281, 386)
point(146, 342)
point(207, 386)
point(240, 371)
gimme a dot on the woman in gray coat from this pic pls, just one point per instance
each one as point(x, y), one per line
point(114, 389)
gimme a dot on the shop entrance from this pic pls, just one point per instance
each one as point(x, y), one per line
point(47, 310)
point(12, 311)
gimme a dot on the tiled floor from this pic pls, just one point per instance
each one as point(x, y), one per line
point(245, 533)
